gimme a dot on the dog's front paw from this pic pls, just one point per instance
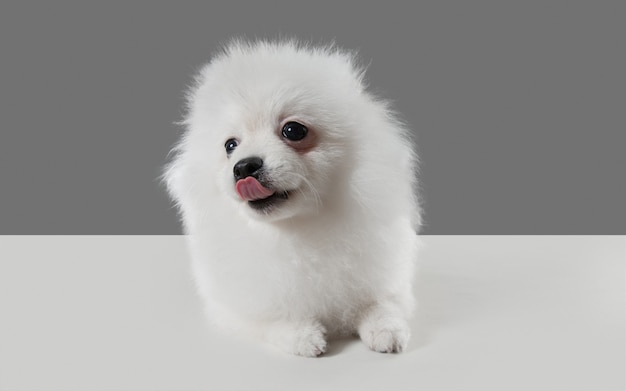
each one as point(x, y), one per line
point(302, 338)
point(385, 335)
point(310, 341)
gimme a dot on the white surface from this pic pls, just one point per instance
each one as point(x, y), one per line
point(497, 313)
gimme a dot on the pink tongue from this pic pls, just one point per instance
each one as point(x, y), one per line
point(250, 189)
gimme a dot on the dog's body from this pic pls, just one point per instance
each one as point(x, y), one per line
point(297, 192)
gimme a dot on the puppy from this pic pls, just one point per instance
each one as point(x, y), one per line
point(296, 189)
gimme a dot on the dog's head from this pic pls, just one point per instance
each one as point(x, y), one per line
point(272, 126)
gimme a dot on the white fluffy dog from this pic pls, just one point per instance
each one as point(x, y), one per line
point(297, 191)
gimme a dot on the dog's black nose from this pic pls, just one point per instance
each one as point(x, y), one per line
point(246, 167)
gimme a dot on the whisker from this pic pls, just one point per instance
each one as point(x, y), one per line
point(316, 196)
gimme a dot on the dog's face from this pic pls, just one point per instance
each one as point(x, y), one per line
point(276, 130)
point(275, 167)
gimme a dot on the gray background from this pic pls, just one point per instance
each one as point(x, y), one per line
point(518, 108)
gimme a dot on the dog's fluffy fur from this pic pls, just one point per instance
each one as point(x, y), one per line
point(333, 253)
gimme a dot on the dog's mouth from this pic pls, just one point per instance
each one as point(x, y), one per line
point(264, 204)
point(258, 196)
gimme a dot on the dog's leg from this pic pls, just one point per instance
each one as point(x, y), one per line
point(303, 338)
point(384, 329)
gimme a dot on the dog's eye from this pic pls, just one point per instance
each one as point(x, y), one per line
point(230, 145)
point(294, 131)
